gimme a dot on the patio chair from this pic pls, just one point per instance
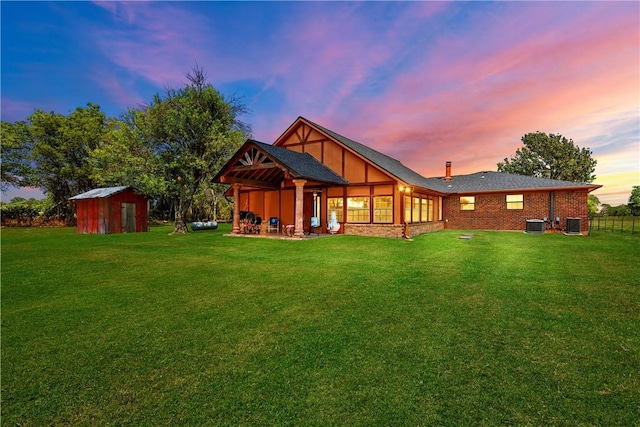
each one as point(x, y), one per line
point(274, 225)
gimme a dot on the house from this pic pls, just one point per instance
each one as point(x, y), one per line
point(311, 174)
point(112, 210)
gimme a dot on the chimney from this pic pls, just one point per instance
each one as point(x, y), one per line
point(447, 177)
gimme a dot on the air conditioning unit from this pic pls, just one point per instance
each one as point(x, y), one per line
point(574, 225)
point(535, 226)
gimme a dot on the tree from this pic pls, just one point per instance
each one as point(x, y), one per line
point(551, 156)
point(620, 210)
point(56, 150)
point(15, 154)
point(634, 200)
point(592, 204)
point(125, 158)
point(184, 137)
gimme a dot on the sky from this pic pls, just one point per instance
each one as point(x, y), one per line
point(423, 82)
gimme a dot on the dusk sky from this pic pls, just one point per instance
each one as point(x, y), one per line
point(423, 82)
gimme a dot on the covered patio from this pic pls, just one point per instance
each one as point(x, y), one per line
point(274, 182)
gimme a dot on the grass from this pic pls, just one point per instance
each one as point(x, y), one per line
point(149, 329)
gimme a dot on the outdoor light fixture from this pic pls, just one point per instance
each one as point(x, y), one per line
point(404, 189)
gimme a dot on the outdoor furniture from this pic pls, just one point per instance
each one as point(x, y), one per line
point(314, 225)
point(288, 229)
point(274, 224)
point(333, 226)
point(250, 222)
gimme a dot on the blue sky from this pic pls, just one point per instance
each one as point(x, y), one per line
point(424, 82)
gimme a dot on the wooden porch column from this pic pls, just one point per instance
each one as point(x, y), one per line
point(299, 224)
point(236, 209)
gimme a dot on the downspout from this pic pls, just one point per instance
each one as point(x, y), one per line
point(552, 208)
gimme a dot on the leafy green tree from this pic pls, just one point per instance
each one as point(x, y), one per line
point(551, 156)
point(592, 204)
point(175, 145)
point(57, 150)
point(620, 210)
point(15, 154)
point(124, 157)
point(634, 200)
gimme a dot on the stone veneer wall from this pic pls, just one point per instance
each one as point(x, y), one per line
point(391, 230)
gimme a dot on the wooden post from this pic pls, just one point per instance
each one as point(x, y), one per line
point(299, 222)
point(236, 209)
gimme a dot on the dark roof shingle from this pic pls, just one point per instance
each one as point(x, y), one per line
point(489, 181)
point(304, 165)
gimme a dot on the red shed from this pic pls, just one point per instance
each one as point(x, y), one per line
point(112, 210)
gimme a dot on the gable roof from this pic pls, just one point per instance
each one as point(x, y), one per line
point(388, 164)
point(303, 165)
point(98, 193)
point(489, 181)
point(260, 164)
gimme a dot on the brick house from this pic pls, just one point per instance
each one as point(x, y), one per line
point(311, 174)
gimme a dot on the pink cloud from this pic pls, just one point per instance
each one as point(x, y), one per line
point(473, 105)
point(465, 94)
point(12, 110)
point(118, 89)
point(493, 99)
point(157, 41)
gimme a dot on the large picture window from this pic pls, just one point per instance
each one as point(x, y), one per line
point(358, 209)
point(467, 203)
point(515, 201)
point(383, 209)
point(334, 204)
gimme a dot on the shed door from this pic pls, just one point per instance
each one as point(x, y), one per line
point(128, 217)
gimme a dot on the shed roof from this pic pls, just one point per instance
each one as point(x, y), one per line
point(97, 193)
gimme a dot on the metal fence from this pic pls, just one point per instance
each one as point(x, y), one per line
point(615, 224)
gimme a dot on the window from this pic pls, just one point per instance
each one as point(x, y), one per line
point(515, 201)
point(358, 209)
point(467, 203)
point(416, 209)
point(423, 210)
point(334, 204)
point(407, 209)
point(430, 211)
point(383, 209)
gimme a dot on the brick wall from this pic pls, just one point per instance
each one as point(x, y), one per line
point(491, 211)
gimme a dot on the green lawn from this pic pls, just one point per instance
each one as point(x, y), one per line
point(200, 329)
